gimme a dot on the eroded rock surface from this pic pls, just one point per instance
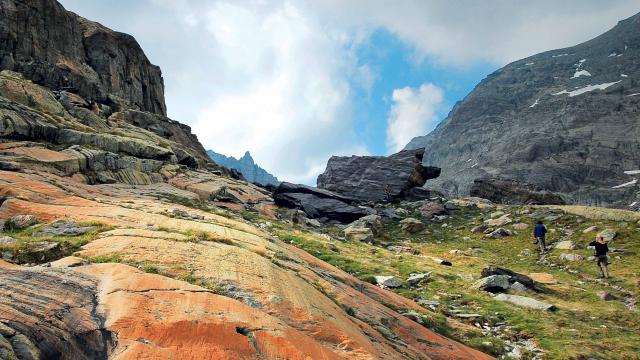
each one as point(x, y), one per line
point(256, 295)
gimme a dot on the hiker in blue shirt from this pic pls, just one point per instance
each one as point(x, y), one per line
point(539, 232)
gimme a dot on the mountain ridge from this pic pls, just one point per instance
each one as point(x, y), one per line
point(247, 166)
point(564, 120)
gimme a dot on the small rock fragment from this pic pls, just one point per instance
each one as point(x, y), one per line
point(606, 296)
point(493, 283)
point(565, 245)
point(358, 234)
point(19, 222)
point(571, 257)
point(415, 279)
point(499, 233)
point(520, 226)
point(388, 281)
point(412, 225)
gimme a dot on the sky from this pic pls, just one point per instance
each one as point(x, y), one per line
point(295, 82)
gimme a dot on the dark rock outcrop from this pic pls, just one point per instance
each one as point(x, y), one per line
point(514, 277)
point(61, 50)
point(565, 120)
point(512, 192)
point(377, 178)
point(318, 203)
point(247, 166)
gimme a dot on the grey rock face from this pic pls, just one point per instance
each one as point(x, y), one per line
point(65, 51)
point(318, 203)
point(512, 192)
point(376, 178)
point(64, 229)
point(247, 166)
point(565, 120)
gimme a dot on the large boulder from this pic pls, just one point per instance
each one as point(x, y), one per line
point(378, 178)
point(373, 222)
point(512, 276)
point(318, 203)
point(507, 191)
point(493, 283)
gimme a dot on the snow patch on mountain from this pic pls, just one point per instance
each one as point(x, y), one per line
point(586, 89)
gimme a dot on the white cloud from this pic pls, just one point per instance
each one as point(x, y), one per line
point(498, 31)
point(414, 111)
point(277, 77)
point(290, 100)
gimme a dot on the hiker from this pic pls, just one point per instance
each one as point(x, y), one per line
point(387, 192)
point(601, 255)
point(539, 232)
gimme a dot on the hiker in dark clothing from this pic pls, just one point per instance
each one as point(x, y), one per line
point(601, 255)
point(539, 232)
point(387, 192)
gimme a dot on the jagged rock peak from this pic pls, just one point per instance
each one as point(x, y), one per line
point(64, 51)
point(247, 166)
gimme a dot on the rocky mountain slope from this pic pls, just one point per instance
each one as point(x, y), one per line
point(121, 239)
point(247, 167)
point(472, 260)
point(565, 120)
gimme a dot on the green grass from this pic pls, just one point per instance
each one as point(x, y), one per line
point(583, 326)
point(103, 259)
point(199, 235)
point(24, 252)
point(250, 216)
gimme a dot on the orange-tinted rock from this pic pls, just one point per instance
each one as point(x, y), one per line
point(277, 298)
